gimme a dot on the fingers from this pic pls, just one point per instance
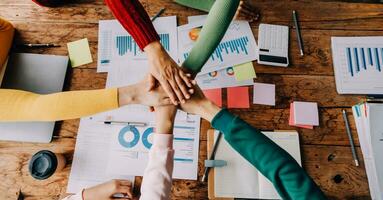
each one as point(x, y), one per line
point(169, 91)
point(123, 187)
point(177, 90)
point(246, 12)
point(182, 86)
point(186, 78)
point(152, 82)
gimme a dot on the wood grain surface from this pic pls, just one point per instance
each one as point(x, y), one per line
point(326, 151)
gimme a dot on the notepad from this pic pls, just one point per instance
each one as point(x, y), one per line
point(240, 179)
point(79, 52)
point(215, 95)
point(264, 94)
point(238, 97)
point(305, 113)
point(291, 119)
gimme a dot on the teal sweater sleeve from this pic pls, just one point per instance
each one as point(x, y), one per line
point(204, 5)
point(290, 180)
point(217, 22)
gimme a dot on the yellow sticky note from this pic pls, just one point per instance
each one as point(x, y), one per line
point(244, 71)
point(79, 52)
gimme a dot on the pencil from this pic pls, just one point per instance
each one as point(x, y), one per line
point(158, 14)
point(355, 157)
point(212, 156)
point(298, 30)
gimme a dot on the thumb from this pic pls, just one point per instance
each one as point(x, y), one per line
point(152, 82)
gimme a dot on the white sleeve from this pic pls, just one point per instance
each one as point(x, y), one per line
point(157, 181)
point(77, 196)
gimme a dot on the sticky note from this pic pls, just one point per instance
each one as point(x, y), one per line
point(291, 119)
point(305, 113)
point(215, 95)
point(238, 97)
point(264, 94)
point(79, 52)
point(244, 71)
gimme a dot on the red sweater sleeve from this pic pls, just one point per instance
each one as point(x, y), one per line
point(133, 17)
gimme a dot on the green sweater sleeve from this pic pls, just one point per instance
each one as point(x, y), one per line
point(204, 5)
point(290, 180)
point(217, 22)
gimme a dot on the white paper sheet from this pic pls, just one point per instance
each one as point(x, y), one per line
point(240, 179)
point(116, 47)
point(238, 45)
point(358, 64)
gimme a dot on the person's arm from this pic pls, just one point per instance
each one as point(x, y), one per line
point(6, 37)
point(133, 17)
point(16, 105)
point(157, 181)
point(104, 191)
point(290, 180)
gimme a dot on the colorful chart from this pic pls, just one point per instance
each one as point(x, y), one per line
point(122, 136)
point(236, 46)
point(125, 44)
point(145, 137)
point(364, 59)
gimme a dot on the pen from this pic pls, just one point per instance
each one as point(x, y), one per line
point(139, 124)
point(39, 45)
point(158, 14)
point(350, 138)
point(298, 30)
point(212, 155)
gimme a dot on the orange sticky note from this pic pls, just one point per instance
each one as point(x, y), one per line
point(291, 119)
point(215, 95)
point(238, 97)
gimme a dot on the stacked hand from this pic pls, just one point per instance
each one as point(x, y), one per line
point(108, 190)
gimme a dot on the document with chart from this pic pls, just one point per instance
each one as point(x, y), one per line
point(358, 63)
point(120, 151)
point(116, 47)
point(238, 45)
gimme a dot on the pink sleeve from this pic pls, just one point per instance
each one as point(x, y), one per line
point(157, 180)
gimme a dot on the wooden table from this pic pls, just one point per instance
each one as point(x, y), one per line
point(326, 151)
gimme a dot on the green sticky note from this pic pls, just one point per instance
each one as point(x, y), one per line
point(79, 52)
point(244, 71)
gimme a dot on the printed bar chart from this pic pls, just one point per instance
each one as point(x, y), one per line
point(364, 59)
point(236, 46)
point(125, 44)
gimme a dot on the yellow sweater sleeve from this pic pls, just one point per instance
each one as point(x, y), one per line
point(18, 105)
point(6, 37)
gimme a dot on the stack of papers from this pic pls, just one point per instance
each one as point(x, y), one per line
point(304, 114)
point(368, 120)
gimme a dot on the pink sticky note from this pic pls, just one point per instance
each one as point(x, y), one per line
point(291, 119)
point(238, 97)
point(215, 95)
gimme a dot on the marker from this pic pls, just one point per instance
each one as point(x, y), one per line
point(298, 30)
point(139, 124)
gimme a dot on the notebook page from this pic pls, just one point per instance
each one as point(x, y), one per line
point(289, 141)
point(239, 178)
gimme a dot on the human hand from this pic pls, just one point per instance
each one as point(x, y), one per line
point(165, 116)
point(138, 94)
point(105, 191)
point(172, 78)
point(200, 105)
point(246, 12)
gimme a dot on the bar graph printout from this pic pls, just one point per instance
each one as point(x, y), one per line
point(358, 64)
point(116, 47)
point(238, 45)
